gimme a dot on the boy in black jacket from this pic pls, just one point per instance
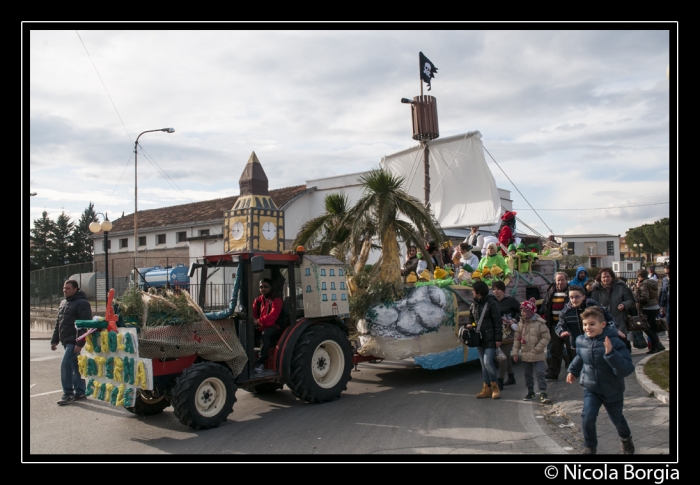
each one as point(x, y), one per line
point(603, 362)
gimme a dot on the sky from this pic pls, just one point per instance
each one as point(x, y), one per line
point(579, 125)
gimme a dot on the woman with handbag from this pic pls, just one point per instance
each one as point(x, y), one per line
point(510, 315)
point(614, 295)
point(486, 321)
point(646, 295)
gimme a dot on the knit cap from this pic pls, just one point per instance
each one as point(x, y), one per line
point(529, 307)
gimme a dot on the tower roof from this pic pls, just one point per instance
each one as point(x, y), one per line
point(253, 180)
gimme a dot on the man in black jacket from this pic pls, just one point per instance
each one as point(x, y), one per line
point(559, 348)
point(74, 307)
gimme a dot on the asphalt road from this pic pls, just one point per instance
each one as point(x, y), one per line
point(389, 408)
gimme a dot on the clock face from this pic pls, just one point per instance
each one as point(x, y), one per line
point(269, 231)
point(237, 231)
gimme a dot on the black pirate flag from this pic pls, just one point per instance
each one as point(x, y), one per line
point(427, 69)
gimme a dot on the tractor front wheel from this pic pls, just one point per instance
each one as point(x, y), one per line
point(146, 404)
point(321, 363)
point(203, 395)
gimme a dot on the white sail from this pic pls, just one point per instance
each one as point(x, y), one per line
point(463, 191)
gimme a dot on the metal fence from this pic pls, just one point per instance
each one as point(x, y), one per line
point(45, 285)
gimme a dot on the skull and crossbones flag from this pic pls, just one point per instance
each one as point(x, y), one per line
point(427, 69)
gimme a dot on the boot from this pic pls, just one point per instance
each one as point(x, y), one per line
point(511, 380)
point(495, 391)
point(530, 394)
point(500, 384)
point(485, 392)
point(627, 446)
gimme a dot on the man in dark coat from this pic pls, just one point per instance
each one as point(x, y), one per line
point(74, 307)
point(555, 299)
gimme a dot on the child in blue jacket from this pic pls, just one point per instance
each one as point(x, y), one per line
point(603, 362)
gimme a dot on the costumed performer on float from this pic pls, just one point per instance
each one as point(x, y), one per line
point(493, 257)
point(506, 233)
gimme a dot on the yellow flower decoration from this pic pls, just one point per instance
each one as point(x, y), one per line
point(120, 341)
point(100, 361)
point(118, 369)
point(108, 391)
point(140, 379)
point(88, 344)
point(82, 365)
point(104, 340)
point(120, 396)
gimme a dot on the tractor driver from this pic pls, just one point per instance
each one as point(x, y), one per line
point(266, 313)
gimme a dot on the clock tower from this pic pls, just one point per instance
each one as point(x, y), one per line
point(254, 223)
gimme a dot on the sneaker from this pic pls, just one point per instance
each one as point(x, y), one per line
point(530, 396)
point(66, 399)
point(627, 446)
point(259, 367)
point(544, 399)
point(588, 451)
point(80, 396)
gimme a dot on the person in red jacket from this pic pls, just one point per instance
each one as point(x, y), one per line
point(266, 314)
point(506, 234)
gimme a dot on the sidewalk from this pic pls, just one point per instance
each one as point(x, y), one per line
point(646, 409)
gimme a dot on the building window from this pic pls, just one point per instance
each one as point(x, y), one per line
point(333, 297)
point(323, 272)
point(342, 285)
point(323, 285)
point(308, 288)
point(142, 241)
point(307, 272)
point(340, 272)
point(332, 272)
point(204, 232)
point(571, 248)
point(324, 297)
point(109, 245)
point(630, 267)
point(343, 297)
point(181, 236)
point(160, 238)
point(611, 248)
point(594, 262)
point(332, 284)
point(124, 243)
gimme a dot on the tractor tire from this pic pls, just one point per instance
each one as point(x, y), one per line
point(147, 405)
point(203, 395)
point(321, 364)
point(266, 388)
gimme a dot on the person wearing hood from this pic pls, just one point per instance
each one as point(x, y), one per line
point(646, 296)
point(74, 307)
point(580, 278)
point(602, 361)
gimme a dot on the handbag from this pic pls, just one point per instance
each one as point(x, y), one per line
point(661, 324)
point(470, 336)
point(637, 323)
point(638, 340)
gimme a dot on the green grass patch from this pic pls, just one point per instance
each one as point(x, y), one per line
point(657, 370)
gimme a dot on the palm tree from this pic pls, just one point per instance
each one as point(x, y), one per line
point(328, 233)
point(392, 214)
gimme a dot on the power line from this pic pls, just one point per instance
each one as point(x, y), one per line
point(595, 208)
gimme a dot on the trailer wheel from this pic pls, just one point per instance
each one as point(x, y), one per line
point(266, 388)
point(203, 395)
point(321, 364)
point(146, 404)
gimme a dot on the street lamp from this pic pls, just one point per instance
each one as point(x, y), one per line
point(105, 227)
point(640, 246)
point(136, 203)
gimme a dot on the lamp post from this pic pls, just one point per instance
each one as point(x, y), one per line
point(136, 203)
point(105, 227)
point(639, 246)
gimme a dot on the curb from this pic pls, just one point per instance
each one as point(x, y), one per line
point(647, 383)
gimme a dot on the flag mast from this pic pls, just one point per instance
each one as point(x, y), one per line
point(425, 119)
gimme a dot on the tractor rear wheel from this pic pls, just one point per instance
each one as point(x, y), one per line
point(203, 395)
point(321, 364)
point(146, 404)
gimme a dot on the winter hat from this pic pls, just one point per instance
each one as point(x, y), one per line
point(439, 273)
point(512, 247)
point(521, 246)
point(508, 215)
point(529, 307)
point(496, 270)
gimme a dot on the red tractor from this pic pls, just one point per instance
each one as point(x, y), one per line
point(313, 355)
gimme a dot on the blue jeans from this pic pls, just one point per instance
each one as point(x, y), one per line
point(71, 381)
point(488, 370)
point(591, 406)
